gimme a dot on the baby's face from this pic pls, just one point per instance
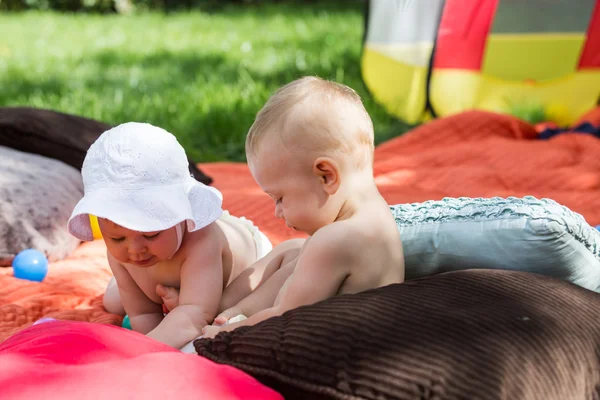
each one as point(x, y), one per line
point(298, 196)
point(142, 249)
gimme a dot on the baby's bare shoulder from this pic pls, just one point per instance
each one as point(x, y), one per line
point(363, 231)
point(352, 230)
point(203, 241)
point(337, 232)
point(340, 238)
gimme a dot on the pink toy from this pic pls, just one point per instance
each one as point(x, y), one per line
point(66, 360)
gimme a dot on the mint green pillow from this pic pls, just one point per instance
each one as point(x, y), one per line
point(524, 234)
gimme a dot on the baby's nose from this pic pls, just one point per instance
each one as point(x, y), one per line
point(136, 247)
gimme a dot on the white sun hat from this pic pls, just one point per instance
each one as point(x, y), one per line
point(137, 176)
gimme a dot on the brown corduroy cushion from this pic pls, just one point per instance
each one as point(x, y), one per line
point(475, 334)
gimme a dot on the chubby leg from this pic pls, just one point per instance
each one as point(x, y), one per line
point(112, 298)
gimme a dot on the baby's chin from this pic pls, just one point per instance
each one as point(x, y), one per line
point(293, 227)
point(309, 232)
point(149, 262)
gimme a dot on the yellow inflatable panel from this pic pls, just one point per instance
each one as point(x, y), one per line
point(399, 87)
point(562, 100)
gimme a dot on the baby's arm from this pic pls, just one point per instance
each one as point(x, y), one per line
point(261, 298)
point(319, 273)
point(257, 274)
point(200, 292)
point(144, 314)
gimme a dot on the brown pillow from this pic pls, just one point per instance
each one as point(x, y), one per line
point(475, 334)
point(56, 135)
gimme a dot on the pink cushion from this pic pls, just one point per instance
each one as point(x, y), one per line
point(78, 360)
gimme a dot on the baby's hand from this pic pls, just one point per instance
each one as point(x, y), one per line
point(169, 296)
point(220, 320)
point(210, 331)
point(226, 316)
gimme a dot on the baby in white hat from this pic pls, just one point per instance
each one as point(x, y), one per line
point(162, 228)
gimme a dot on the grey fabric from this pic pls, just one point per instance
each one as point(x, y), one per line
point(37, 195)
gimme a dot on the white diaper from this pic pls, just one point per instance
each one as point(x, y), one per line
point(263, 244)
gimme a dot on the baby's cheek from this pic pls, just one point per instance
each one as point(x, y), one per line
point(118, 256)
point(116, 251)
point(163, 249)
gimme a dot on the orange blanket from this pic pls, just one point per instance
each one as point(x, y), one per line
point(474, 154)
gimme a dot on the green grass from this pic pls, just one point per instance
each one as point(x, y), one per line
point(201, 75)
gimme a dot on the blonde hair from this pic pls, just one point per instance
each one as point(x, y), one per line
point(316, 115)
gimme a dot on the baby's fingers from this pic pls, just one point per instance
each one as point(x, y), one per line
point(169, 296)
point(210, 331)
point(227, 315)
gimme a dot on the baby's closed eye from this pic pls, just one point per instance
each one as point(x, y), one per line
point(152, 236)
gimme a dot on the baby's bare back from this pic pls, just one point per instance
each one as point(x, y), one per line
point(374, 251)
point(349, 256)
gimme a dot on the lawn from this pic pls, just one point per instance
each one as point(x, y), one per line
point(201, 75)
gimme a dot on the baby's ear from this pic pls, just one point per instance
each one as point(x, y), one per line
point(328, 173)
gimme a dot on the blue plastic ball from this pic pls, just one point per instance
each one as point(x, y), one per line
point(30, 264)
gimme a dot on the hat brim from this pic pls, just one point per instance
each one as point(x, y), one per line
point(148, 209)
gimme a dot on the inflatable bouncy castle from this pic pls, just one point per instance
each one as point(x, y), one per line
point(430, 58)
